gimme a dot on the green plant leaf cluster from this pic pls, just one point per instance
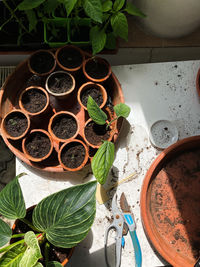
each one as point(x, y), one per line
point(63, 219)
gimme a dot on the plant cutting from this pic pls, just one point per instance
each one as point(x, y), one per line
point(61, 220)
point(104, 157)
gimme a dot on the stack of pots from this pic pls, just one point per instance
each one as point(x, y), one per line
point(50, 120)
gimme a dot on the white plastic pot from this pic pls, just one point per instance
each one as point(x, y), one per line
point(169, 18)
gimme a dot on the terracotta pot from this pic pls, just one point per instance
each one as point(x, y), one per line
point(52, 121)
point(25, 140)
point(38, 58)
point(23, 95)
point(101, 62)
point(8, 116)
point(64, 147)
point(70, 52)
point(170, 203)
point(198, 82)
point(16, 222)
point(52, 77)
point(88, 85)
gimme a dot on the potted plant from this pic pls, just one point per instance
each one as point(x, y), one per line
point(15, 125)
point(53, 224)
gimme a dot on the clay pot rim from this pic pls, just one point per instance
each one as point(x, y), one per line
point(3, 129)
point(88, 85)
point(84, 161)
point(60, 94)
point(198, 82)
point(101, 60)
point(54, 137)
point(31, 158)
point(176, 260)
point(37, 52)
point(71, 249)
point(66, 47)
point(37, 88)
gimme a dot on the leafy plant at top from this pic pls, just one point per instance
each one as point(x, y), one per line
point(104, 157)
point(62, 219)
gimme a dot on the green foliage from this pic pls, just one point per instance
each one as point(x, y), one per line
point(93, 8)
point(133, 10)
point(98, 39)
point(122, 110)
point(120, 25)
point(54, 264)
point(29, 4)
point(5, 233)
point(96, 114)
point(13, 256)
point(69, 5)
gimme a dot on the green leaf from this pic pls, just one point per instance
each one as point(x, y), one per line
point(122, 110)
point(102, 161)
point(54, 264)
point(120, 25)
point(95, 113)
point(93, 8)
point(32, 19)
point(12, 257)
point(107, 6)
point(32, 253)
point(5, 233)
point(98, 39)
point(118, 4)
point(12, 205)
point(110, 41)
point(50, 6)
point(30, 4)
point(67, 216)
point(69, 5)
point(133, 10)
point(38, 264)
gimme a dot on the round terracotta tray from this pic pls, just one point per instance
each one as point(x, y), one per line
point(170, 203)
point(22, 78)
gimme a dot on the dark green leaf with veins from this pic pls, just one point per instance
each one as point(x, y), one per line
point(98, 39)
point(133, 10)
point(107, 6)
point(12, 257)
point(32, 19)
point(118, 4)
point(69, 5)
point(30, 4)
point(93, 8)
point(54, 264)
point(95, 113)
point(50, 6)
point(102, 161)
point(5, 233)
point(122, 110)
point(120, 25)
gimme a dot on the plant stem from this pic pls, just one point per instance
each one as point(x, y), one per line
point(46, 252)
point(29, 224)
point(111, 122)
point(17, 235)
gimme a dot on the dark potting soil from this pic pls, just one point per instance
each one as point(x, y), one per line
point(94, 93)
point(96, 69)
point(34, 100)
point(70, 58)
point(64, 126)
point(60, 83)
point(96, 133)
point(16, 124)
point(38, 145)
point(42, 62)
point(73, 155)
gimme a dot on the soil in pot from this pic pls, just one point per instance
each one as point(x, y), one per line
point(70, 58)
point(34, 100)
point(38, 145)
point(96, 69)
point(42, 62)
point(16, 124)
point(73, 155)
point(60, 83)
point(94, 93)
point(64, 126)
point(95, 133)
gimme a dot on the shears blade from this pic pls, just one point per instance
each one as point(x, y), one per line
point(124, 204)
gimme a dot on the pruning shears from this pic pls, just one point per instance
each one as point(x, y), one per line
point(122, 221)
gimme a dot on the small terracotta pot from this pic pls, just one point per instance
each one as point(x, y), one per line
point(8, 116)
point(38, 58)
point(62, 149)
point(52, 76)
point(100, 61)
point(24, 142)
point(73, 51)
point(52, 121)
point(198, 82)
point(88, 85)
point(23, 94)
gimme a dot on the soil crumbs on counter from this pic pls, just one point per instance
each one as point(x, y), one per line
point(70, 58)
point(64, 126)
point(61, 83)
point(38, 145)
point(73, 155)
point(96, 69)
point(42, 62)
point(96, 133)
point(94, 93)
point(34, 100)
point(16, 124)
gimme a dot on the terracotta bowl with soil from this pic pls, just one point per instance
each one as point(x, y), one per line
point(96, 69)
point(73, 155)
point(170, 203)
point(34, 100)
point(37, 146)
point(69, 58)
point(96, 91)
point(60, 84)
point(42, 62)
point(15, 125)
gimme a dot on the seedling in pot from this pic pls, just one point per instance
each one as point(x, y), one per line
point(104, 157)
point(54, 223)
